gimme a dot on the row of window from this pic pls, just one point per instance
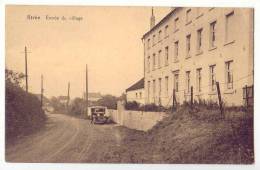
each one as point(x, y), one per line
point(212, 43)
point(159, 62)
point(140, 95)
point(212, 81)
point(176, 25)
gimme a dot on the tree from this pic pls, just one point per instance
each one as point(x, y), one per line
point(77, 106)
point(109, 101)
point(23, 112)
point(56, 104)
point(14, 78)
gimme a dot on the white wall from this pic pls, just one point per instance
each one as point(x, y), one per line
point(136, 119)
point(134, 95)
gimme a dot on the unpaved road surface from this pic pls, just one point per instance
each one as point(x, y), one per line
point(66, 139)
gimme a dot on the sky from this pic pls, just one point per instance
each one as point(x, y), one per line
point(107, 39)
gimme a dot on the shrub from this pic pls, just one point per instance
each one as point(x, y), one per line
point(133, 105)
point(108, 101)
point(77, 107)
point(23, 111)
point(153, 108)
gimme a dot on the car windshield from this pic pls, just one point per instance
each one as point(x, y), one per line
point(100, 110)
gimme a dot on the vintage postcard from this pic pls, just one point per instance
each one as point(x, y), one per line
point(104, 84)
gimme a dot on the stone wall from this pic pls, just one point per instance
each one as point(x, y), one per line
point(138, 120)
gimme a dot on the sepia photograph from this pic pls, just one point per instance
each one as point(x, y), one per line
point(129, 84)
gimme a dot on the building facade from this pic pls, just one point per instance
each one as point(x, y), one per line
point(136, 92)
point(197, 47)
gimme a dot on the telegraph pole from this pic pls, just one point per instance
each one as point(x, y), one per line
point(68, 97)
point(26, 71)
point(41, 90)
point(87, 89)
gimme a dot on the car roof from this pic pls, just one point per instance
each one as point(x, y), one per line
point(98, 107)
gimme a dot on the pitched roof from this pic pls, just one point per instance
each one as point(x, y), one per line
point(161, 21)
point(137, 85)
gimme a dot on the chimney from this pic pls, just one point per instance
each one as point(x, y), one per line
point(152, 20)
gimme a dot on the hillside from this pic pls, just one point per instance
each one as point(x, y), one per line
point(197, 136)
point(23, 112)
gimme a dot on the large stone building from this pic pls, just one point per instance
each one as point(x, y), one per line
point(197, 47)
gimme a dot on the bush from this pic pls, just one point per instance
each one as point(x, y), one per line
point(133, 105)
point(148, 107)
point(57, 105)
point(77, 107)
point(153, 108)
point(108, 101)
point(23, 111)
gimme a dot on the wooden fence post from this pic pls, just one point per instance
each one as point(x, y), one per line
point(246, 97)
point(219, 99)
point(191, 97)
point(173, 100)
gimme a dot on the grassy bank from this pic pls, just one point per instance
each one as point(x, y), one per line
point(23, 112)
point(188, 136)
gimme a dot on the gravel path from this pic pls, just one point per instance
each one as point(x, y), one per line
point(65, 139)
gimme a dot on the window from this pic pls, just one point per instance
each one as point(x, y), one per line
point(154, 39)
point(188, 37)
point(140, 95)
point(148, 94)
point(187, 81)
point(199, 40)
point(229, 75)
point(136, 95)
point(188, 16)
point(160, 36)
point(166, 31)
point(212, 77)
point(148, 64)
point(229, 36)
point(154, 61)
point(176, 82)
point(198, 77)
point(166, 56)
point(159, 59)
point(212, 34)
point(154, 89)
point(176, 24)
point(176, 50)
point(148, 43)
point(166, 86)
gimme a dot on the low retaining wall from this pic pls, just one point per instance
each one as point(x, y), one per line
point(138, 120)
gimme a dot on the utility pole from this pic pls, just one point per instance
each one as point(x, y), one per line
point(68, 97)
point(26, 69)
point(41, 90)
point(87, 89)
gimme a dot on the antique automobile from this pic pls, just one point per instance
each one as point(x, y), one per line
point(98, 114)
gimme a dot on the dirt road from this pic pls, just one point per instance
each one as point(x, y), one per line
point(66, 139)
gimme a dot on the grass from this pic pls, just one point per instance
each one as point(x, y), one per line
point(200, 135)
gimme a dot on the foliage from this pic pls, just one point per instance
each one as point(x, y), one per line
point(77, 107)
point(122, 97)
point(14, 78)
point(23, 110)
point(133, 105)
point(57, 105)
point(109, 101)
